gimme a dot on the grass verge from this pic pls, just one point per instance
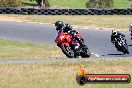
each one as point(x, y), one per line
point(119, 22)
point(22, 50)
point(60, 74)
point(122, 4)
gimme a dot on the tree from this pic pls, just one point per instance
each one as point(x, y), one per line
point(99, 3)
point(130, 2)
point(42, 3)
point(10, 3)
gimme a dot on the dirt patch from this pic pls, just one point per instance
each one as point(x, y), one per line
point(102, 22)
point(10, 18)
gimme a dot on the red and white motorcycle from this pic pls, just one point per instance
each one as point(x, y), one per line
point(65, 42)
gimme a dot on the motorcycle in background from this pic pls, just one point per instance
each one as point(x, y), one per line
point(121, 45)
point(130, 30)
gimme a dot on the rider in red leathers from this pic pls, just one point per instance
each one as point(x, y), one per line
point(61, 27)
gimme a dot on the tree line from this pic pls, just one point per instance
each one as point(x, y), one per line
point(17, 3)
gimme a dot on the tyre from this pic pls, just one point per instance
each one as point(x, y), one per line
point(125, 50)
point(53, 13)
point(66, 13)
point(39, 13)
point(85, 54)
point(67, 51)
point(72, 13)
point(35, 11)
point(24, 13)
point(1, 11)
point(59, 13)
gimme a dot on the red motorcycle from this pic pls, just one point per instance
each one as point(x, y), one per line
point(66, 42)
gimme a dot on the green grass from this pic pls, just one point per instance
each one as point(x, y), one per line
point(69, 3)
point(60, 74)
point(23, 50)
point(81, 3)
point(28, 1)
point(121, 4)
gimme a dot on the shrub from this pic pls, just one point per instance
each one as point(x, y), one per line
point(99, 3)
point(10, 3)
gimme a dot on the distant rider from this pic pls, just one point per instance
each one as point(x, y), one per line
point(115, 35)
point(62, 27)
point(130, 27)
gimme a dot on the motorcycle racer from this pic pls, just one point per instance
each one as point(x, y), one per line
point(115, 35)
point(130, 29)
point(62, 27)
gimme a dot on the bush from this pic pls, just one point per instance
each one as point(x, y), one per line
point(10, 3)
point(99, 3)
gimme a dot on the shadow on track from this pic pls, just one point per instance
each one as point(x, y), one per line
point(129, 45)
point(115, 54)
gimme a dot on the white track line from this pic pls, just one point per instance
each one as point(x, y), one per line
point(95, 54)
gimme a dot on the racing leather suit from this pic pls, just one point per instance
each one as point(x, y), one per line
point(68, 29)
point(114, 37)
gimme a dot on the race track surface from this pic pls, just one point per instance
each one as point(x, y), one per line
point(98, 41)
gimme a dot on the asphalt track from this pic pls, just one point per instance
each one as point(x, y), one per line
point(98, 41)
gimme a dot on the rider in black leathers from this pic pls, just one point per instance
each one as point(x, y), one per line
point(60, 26)
point(115, 35)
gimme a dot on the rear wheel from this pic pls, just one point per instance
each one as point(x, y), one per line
point(67, 51)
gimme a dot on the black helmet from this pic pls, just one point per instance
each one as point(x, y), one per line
point(59, 25)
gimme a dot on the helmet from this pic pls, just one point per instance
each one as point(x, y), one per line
point(114, 32)
point(130, 24)
point(59, 25)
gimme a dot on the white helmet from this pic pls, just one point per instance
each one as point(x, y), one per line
point(130, 24)
point(114, 32)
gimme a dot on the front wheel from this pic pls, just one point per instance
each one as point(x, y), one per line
point(67, 51)
point(125, 50)
point(86, 53)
